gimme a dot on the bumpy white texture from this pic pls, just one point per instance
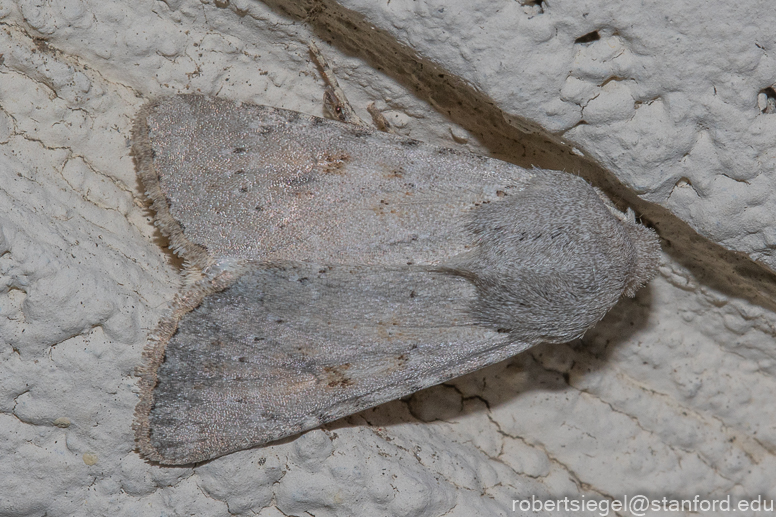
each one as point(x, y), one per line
point(678, 105)
point(671, 394)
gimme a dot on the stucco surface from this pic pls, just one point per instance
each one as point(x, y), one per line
point(670, 395)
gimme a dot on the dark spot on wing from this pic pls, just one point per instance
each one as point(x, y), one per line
point(335, 376)
point(238, 150)
point(381, 209)
point(395, 173)
point(333, 162)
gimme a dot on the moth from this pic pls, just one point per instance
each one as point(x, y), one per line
point(333, 267)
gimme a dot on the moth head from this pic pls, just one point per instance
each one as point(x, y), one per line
point(647, 256)
point(646, 247)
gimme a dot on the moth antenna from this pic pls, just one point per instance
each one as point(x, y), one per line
point(335, 102)
point(379, 119)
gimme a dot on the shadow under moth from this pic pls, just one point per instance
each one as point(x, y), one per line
point(333, 267)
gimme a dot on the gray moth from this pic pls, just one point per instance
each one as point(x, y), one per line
point(333, 267)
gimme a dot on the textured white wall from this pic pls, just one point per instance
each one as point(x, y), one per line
point(670, 395)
